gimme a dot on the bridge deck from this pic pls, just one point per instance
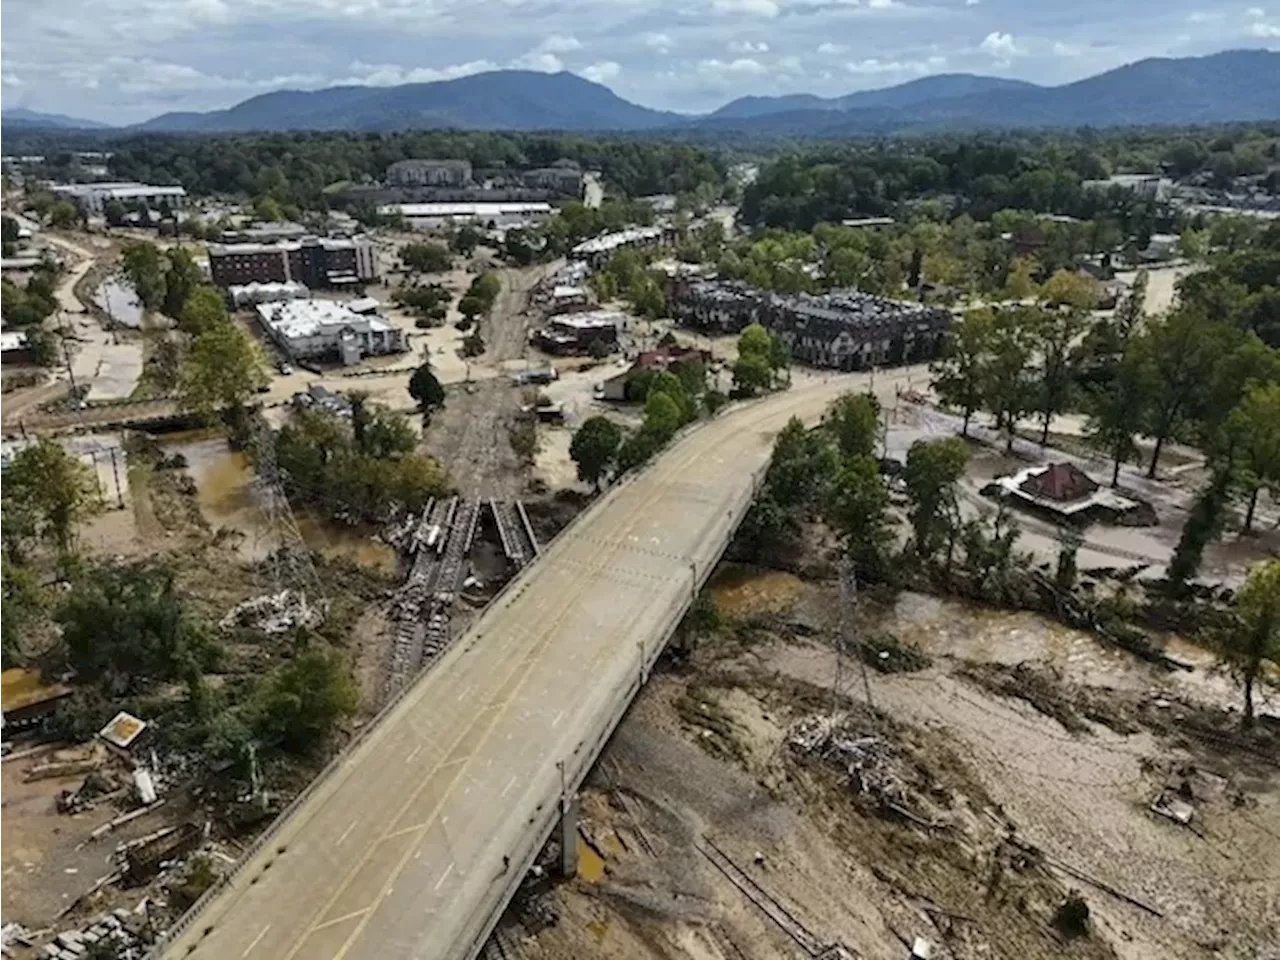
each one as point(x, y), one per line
point(398, 852)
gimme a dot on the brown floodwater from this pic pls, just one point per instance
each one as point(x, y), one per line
point(224, 492)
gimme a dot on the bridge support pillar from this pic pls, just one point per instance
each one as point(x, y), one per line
point(569, 836)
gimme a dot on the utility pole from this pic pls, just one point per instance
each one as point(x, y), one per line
point(848, 610)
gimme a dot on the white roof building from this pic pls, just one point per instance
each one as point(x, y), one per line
point(317, 329)
point(94, 197)
point(428, 215)
point(609, 242)
point(247, 293)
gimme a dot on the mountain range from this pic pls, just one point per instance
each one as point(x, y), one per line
point(1239, 85)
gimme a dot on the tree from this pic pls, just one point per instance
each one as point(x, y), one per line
point(125, 627)
point(53, 488)
point(425, 389)
point(1004, 372)
point(751, 374)
point(662, 416)
point(958, 375)
point(426, 257)
point(473, 344)
point(1055, 333)
point(1252, 640)
point(302, 702)
point(858, 509)
point(180, 281)
point(24, 604)
point(1180, 354)
point(63, 215)
point(222, 371)
point(1020, 284)
point(203, 310)
point(1203, 524)
point(114, 211)
point(1116, 413)
point(932, 470)
point(466, 239)
point(594, 448)
point(854, 421)
point(636, 450)
point(145, 271)
point(471, 307)
point(1256, 421)
point(1070, 289)
point(267, 209)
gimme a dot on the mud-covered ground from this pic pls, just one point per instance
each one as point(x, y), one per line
point(1011, 766)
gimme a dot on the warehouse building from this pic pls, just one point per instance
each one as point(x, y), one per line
point(327, 330)
point(599, 249)
point(431, 216)
point(317, 262)
point(92, 198)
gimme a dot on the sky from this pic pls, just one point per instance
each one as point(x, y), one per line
point(122, 61)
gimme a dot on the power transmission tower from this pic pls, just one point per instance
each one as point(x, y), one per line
point(288, 558)
point(846, 641)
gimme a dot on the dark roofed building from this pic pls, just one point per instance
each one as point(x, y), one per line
point(1062, 482)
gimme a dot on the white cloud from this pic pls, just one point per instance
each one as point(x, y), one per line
point(874, 66)
point(538, 60)
point(392, 75)
point(972, 3)
point(602, 72)
point(1000, 47)
point(746, 46)
point(1268, 31)
point(743, 66)
point(791, 65)
point(758, 8)
point(661, 42)
point(882, 4)
point(1201, 16)
point(10, 80)
point(557, 43)
point(1257, 13)
point(1066, 50)
point(831, 48)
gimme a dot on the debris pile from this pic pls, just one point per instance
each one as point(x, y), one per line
point(121, 934)
point(274, 612)
point(867, 762)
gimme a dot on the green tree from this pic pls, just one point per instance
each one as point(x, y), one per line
point(471, 307)
point(203, 309)
point(751, 374)
point(1203, 524)
point(1256, 421)
point(267, 209)
point(854, 421)
point(53, 488)
point(473, 344)
point(303, 701)
point(1116, 411)
point(662, 416)
point(858, 510)
point(25, 602)
point(1252, 641)
point(1020, 283)
point(1180, 354)
point(1055, 333)
point(466, 239)
point(637, 450)
point(594, 449)
point(145, 271)
point(426, 257)
point(1067, 288)
point(126, 627)
point(958, 375)
point(1005, 374)
point(181, 279)
point(932, 471)
point(426, 389)
point(64, 215)
point(221, 372)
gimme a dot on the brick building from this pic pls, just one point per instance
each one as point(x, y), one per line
point(316, 262)
point(429, 173)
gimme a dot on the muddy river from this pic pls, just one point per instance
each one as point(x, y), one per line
point(120, 302)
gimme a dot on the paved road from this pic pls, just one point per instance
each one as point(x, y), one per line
point(399, 851)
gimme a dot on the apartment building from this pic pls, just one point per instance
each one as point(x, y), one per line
point(316, 262)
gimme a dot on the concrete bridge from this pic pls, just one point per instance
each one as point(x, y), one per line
point(414, 840)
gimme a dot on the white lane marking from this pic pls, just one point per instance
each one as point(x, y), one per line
point(444, 876)
point(256, 940)
point(345, 832)
point(409, 759)
point(337, 920)
point(510, 783)
point(556, 721)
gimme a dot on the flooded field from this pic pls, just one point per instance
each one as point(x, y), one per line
point(224, 492)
